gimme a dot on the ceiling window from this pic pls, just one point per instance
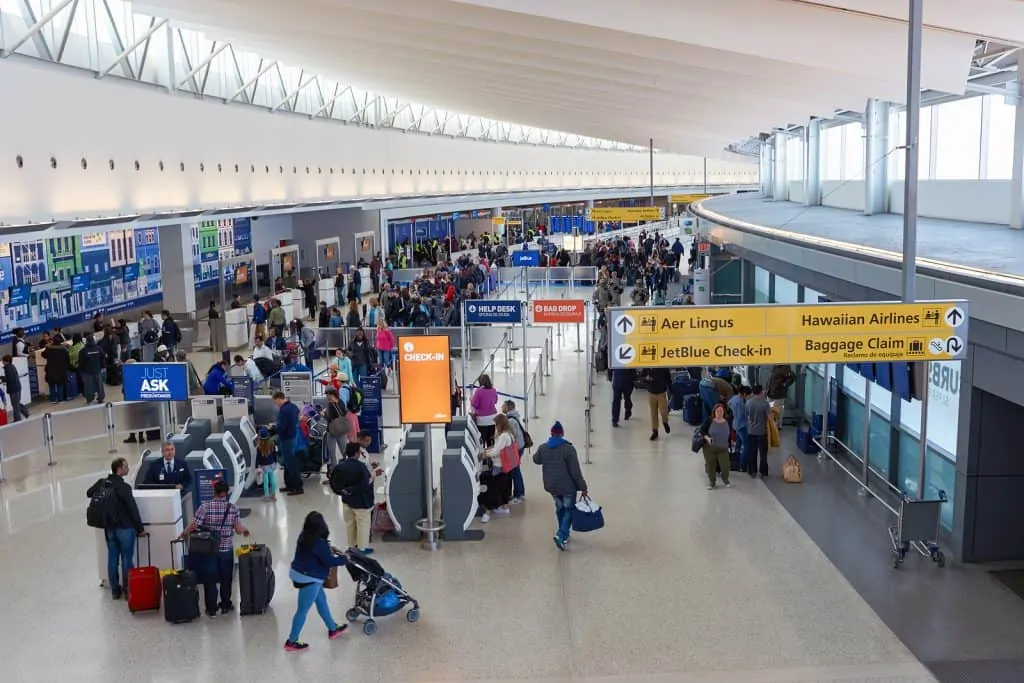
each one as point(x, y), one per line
point(958, 140)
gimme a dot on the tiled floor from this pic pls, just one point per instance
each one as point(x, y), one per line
point(978, 245)
point(684, 585)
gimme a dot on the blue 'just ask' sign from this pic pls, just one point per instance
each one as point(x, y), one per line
point(155, 381)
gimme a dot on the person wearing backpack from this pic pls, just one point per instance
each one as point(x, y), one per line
point(112, 507)
point(523, 441)
point(170, 333)
point(351, 480)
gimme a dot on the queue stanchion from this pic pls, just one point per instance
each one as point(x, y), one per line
point(112, 429)
point(48, 437)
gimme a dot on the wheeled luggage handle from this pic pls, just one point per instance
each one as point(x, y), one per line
point(149, 552)
point(182, 542)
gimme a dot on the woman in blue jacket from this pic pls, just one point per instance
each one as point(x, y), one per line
point(313, 560)
point(217, 381)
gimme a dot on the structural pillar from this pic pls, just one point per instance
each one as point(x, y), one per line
point(781, 193)
point(768, 168)
point(1017, 182)
point(876, 170)
point(176, 266)
point(812, 163)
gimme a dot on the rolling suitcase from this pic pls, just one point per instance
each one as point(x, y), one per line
point(143, 583)
point(693, 410)
point(255, 580)
point(181, 594)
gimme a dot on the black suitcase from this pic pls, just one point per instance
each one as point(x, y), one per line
point(255, 580)
point(114, 375)
point(181, 595)
point(693, 410)
point(154, 435)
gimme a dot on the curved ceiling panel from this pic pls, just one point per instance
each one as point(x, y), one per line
point(692, 78)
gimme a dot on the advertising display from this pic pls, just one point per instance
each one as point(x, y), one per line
point(217, 240)
point(526, 257)
point(155, 381)
point(424, 380)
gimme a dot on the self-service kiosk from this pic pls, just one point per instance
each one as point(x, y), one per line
point(460, 482)
point(230, 455)
point(404, 493)
point(244, 432)
point(203, 459)
point(199, 428)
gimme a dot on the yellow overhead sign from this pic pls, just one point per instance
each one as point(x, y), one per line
point(627, 214)
point(686, 198)
point(767, 334)
point(497, 220)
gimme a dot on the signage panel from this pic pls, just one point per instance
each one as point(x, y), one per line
point(297, 386)
point(373, 404)
point(686, 198)
point(547, 311)
point(155, 381)
point(80, 283)
point(812, 333)
point(424, 380)
point(202, 485)
point(526, 257)
point(20, 295)
point(627, 214)
point(494, 312)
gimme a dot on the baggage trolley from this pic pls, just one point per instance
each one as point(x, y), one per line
point(917, 527)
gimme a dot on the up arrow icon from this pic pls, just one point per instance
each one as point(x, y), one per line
point(954, 316)
point(624, 324)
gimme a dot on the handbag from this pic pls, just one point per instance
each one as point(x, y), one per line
point(204, 540)
point(332, 579)
point(339, 427)
point(587, 516)
point(697, 441)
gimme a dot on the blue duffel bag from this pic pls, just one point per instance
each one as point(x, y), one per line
point(587, 516)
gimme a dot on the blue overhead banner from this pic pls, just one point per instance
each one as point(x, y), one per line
point(155, 381)
point(528, 257)
point(481, 311)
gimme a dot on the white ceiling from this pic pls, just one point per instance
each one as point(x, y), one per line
point(694, 76)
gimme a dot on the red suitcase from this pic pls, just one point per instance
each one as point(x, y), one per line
point(144, 587)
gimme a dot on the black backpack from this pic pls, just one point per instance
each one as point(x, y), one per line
point(101, 506)
point(355, 399)
point(151, 337)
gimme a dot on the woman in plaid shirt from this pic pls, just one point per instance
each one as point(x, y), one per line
point(221, 517)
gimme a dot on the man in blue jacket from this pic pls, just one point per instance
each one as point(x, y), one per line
point(287, 429)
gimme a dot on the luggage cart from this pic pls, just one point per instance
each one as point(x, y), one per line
point(917, 527)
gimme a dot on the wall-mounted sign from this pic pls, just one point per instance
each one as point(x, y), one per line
point(630, 214)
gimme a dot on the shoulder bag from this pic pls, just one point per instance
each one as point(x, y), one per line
point(204, 540)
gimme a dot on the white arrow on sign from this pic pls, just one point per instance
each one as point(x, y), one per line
point(624, 324)
point(955, 316)
point(625, 353)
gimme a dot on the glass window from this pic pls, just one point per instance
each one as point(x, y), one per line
point(939, 475)
point(794, 159)
point(958, 139)
point(812, 297)
point(881, 400)
point(785, 291)
point(832, 153)
point(761, 285)
point(853, 383)
point(880, 432)
point(853, 151)
point(851, 423)
point(999, 157)
point(943, 409)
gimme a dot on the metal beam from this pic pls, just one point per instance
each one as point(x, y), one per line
point(188, 64)
point(238, 70)
point(67, 31)
point(115, 35)
point(292, 95)
point(154, 26)
point(252, 81)
point(36, 27)
point(199, 67)
point(327, 104)
point(42, 46)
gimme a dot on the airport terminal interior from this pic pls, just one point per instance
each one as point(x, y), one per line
point(564, 200)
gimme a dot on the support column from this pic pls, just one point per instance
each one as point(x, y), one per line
point(1017, 182)
point(876, 168)
point(781, 193)
point(176, 265)
point(768, 168)
point(812, 163)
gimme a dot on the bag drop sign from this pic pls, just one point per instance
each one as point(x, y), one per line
point(155, 381)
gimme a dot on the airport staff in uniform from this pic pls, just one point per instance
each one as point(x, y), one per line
point(169, 471)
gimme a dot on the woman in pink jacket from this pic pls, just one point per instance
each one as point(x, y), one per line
point(484, 406)
point(385, 343)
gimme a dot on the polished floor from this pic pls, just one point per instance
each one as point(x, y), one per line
point(684, 585)
point(984, 246)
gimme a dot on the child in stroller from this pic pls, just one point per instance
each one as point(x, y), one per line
point(378, 593)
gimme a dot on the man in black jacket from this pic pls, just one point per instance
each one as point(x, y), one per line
point(122, 524)
point(13, 383)
point(351, 480)
point(658, 381)
point(91, 360)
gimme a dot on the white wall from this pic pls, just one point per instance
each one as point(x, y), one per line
point(341, 223)
point(843, 194)
point(267, 232)
point(978, 201)
point(796, 191)
point(71, 117)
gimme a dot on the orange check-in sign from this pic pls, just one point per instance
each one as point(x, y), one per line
point(424, 380)
point(559, 311)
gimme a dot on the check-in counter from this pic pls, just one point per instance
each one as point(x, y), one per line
point(163, 513)
point(326, 292)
